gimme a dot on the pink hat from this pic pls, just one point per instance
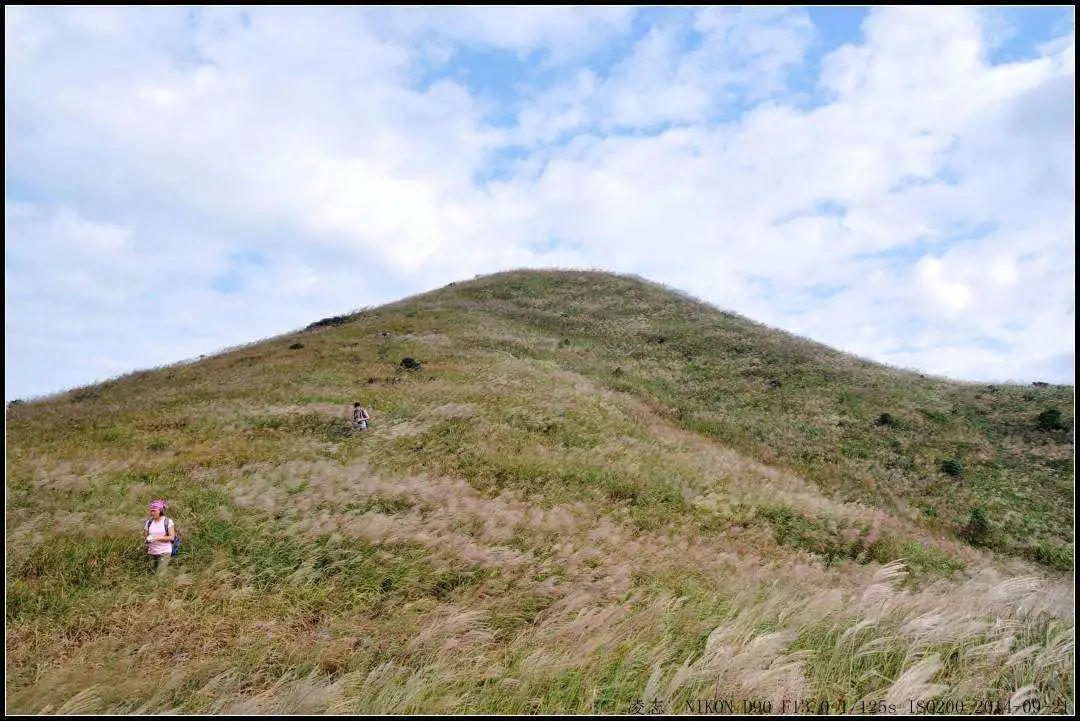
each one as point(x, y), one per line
point(158, 505)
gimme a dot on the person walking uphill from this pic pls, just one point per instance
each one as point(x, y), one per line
point(160, 532)
point(360, 417)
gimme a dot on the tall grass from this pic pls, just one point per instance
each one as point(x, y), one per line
point(595, 496)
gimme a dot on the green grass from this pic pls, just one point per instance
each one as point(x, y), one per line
point(592, 481)
point(972, 428)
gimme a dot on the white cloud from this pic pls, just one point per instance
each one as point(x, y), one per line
point(932, 192)
point(948, 295)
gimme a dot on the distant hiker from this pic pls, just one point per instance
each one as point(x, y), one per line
point(160, 532)
point(360, 417)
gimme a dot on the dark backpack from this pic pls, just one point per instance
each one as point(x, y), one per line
point(176, 534)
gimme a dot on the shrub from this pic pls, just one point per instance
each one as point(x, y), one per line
point(952, 467)
point(410, 364)
point(296, 346)
point(885, 419)
point(325, 322)
point(977, 530)
point(1050, 420)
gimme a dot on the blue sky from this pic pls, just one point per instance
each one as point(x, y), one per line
point(894, 182)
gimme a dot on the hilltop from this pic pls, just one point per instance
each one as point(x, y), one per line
point(591, 490)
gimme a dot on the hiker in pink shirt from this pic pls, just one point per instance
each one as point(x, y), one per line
point(160, 533)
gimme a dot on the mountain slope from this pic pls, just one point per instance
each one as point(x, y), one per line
point(590, 481)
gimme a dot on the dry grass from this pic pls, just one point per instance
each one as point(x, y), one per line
point(523, 529)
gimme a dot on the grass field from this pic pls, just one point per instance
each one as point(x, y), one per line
point(594, 492)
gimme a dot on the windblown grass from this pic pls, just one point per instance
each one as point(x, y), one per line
point(596, 492)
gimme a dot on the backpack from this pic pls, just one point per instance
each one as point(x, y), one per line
point(176, 534)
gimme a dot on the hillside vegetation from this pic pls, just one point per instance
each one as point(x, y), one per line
point(593, 494)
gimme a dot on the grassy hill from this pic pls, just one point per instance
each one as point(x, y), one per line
point(593, 491)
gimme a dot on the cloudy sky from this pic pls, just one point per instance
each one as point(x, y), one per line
point(897, 183)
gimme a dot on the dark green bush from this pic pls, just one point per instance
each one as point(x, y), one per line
point(952, 467)
point(977, 530)
point(327, 322)
point(1050, 420)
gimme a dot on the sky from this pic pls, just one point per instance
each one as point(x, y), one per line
point(896, 182)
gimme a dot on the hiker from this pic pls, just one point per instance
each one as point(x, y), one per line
point(360, 416)
point(160, 532)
